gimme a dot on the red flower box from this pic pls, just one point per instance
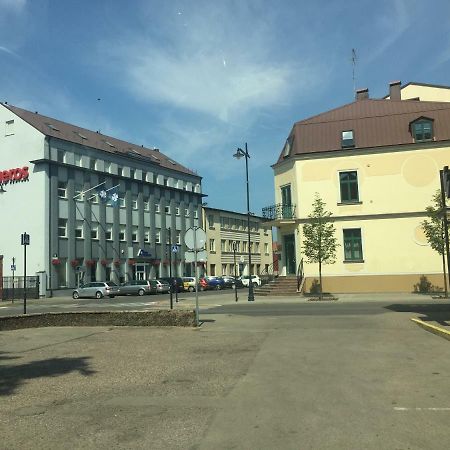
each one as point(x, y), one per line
point(104, 262)
point(56, 262)
point(74, 263)
point(90, 262)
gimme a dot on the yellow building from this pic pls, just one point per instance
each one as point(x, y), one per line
point(375, 163)
point(227, 243)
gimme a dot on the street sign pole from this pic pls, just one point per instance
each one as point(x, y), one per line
point(13, 269)
point(170, 268)
point(25, 240)
point(176, 275)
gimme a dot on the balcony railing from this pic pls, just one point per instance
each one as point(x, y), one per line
point(279, 211)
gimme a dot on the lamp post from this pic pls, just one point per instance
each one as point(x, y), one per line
point(238, 155)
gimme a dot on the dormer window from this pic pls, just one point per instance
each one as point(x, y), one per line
point(422, 130)
point(347, 139)
point(288, 146)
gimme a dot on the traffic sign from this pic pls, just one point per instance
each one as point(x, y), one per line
point(25, 239)
point(195, 238)
point(13, 267)
point(175, 248)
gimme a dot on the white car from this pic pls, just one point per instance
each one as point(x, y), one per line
point(255, 280)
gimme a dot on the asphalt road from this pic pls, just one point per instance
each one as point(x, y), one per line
point(266, 375)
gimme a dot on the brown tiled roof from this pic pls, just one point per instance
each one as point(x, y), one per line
point(375, 123)
point(67, 132)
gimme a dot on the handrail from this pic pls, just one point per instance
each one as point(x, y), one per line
point(267, 275)
point(300, 276)
point(278, 211)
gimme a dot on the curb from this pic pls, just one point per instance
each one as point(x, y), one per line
point(432, 329)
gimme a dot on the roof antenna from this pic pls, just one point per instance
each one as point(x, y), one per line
point(353, 70)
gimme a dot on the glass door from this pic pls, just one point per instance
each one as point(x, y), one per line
point(286, 202)
point(289, 253)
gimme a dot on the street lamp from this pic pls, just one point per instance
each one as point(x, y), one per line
point(238, 155)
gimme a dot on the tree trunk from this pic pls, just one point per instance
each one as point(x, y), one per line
point(320, 280)
point(445, 275)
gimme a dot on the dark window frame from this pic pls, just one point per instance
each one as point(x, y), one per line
point(349, 188)
point(418, 130)
point(348, 143)
point(352, 239)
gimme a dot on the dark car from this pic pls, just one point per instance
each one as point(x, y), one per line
point(215, 282)
point(175, 282)
point(228, 281)
point(137, 287)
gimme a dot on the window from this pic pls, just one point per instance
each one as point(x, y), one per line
point(352, 245)
point(9, 127)
point(146, 205)
point(244, 246)
point(79, 195)
point(223, 244)
point(108, 232)
point(212, 245)
point(61, 156)
point(122, 200)
point(349, 186)
point(212, 270)
point(211, 221)
point(93, 164)
point(122, 234)
point(134, 234)
point(178, 237)
point(256, 247)
point(177, 211)
point(78, 160)
point(119, 171)
point(156, 207)
point(266, 248)
point(94, 231)
point(158, 236)
point(288, 146)
point(132, 173)
point(422, 130)
point(62, 189)
point(224, 269)
point(147, 235)
point(195, 214)
point(62, 228)
point(165, 181)
point(186, 212)
point(167, 209)
point(347, 139)
point(238, 246)
point(134, 202)
point(79, 229)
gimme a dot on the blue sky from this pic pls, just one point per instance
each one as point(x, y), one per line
point(198, 79)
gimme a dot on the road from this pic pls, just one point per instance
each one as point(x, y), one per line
point(274, 374)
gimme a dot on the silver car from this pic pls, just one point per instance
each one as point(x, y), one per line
point(96, 289)
point(137, 287)
point(162, 287)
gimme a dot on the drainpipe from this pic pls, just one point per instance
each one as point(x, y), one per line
point(49, 220)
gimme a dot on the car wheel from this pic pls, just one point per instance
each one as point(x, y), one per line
point(255, 284)
point(141, 292)
point(98, 294)
point(75, 295)
point(191, 289)
point(218, 287)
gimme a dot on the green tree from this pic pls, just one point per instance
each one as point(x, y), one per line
point(319, 241)
point(434, 229)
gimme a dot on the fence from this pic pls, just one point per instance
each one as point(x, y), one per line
point(14, 289)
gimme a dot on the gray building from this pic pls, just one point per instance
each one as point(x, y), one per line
point(50, 186)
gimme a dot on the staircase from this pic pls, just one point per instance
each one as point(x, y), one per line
point(281, 286)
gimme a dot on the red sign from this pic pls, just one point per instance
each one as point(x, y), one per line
point(13, 175)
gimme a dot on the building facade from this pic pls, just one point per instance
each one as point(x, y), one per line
point(50, 169)
point(227, 243)
point(375, 163)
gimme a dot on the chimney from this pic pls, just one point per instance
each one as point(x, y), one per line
point(394, 90)
point(362, 94)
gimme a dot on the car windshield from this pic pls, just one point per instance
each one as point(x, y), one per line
point(111, 283)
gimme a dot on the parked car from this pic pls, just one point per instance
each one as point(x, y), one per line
point(215, 282)
point(137, 287)
point(189, 284)
point(228, 281)
point(176, 282)
point(96, 289)
point(255, 280)
point(161, 286)
point(238, 283)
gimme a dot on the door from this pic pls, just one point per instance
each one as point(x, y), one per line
point(286, 202)
point(141, 270)
point(289, 253)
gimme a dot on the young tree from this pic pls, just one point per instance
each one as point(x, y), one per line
point(320, 243)
point(434, 229)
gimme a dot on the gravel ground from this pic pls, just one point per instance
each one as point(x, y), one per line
point(115, 388)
